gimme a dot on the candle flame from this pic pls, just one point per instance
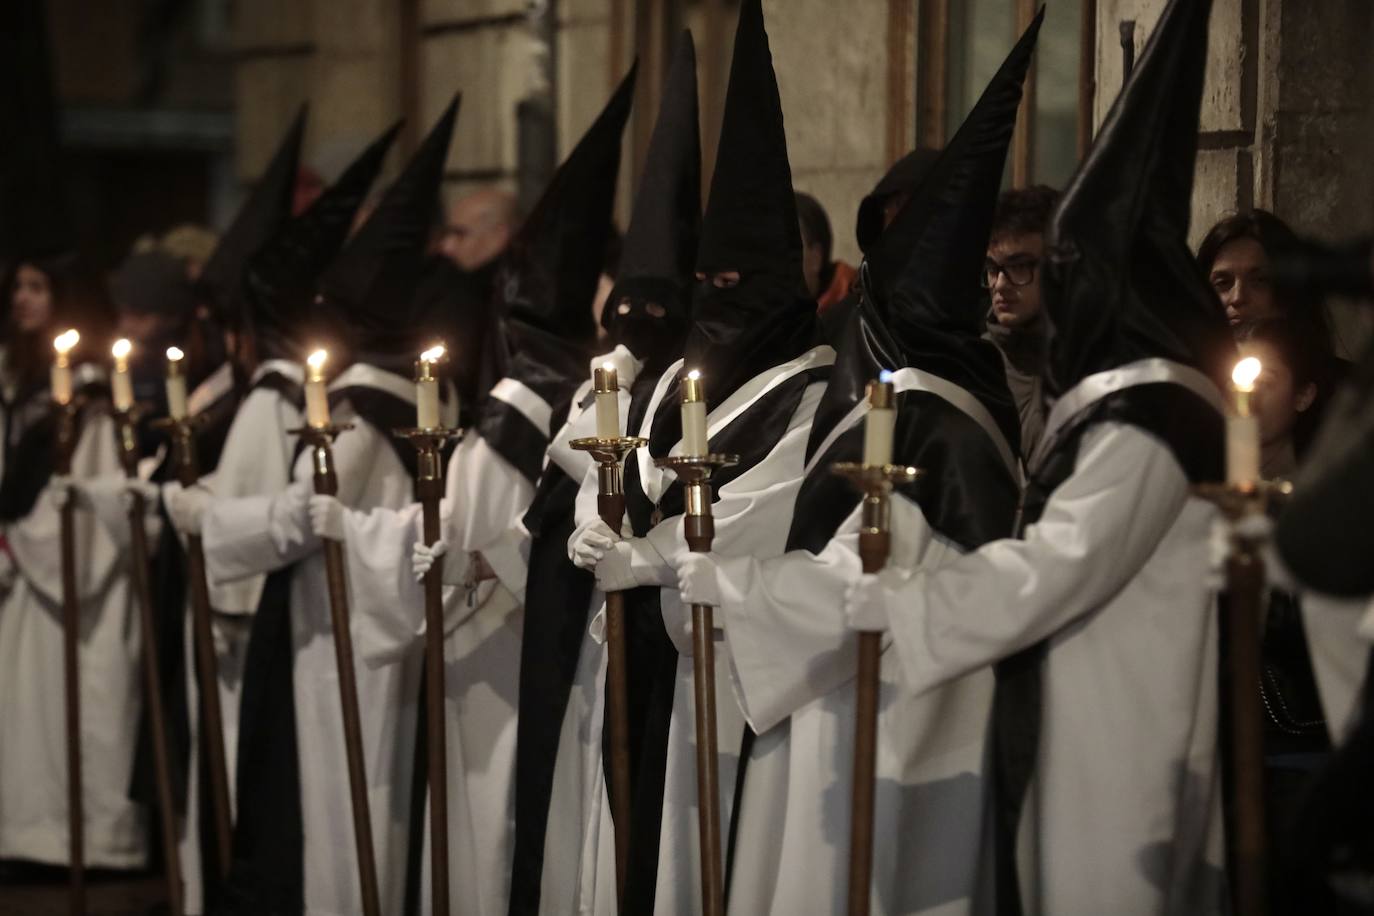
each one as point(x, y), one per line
point(64, 342)
point(175, 355)
point(317, 359)
point(122, 348)
point(1246, 372)
point(885, 376)
point(694, 374)
point(433, 354)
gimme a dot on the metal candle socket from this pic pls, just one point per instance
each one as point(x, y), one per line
point(695, 473)
point(875, 483)
point(320, 439)
point(609, 454)
point(1245, 587)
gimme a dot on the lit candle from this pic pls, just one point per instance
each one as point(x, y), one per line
point(693, 415)
point(316, 398)
point(427, 388)
point(882, 418)
point(176, 385)
point(1242, 428)
point(121, 386)
point(61, 379)
point(606, 384)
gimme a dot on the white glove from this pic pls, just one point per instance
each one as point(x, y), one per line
point(59, 490)
point(613, 573)
point(697, 581)
point(186, 508)
point(590, 543)
point(865, 604)
point(631, 563)
point(327, 517)
point(422, 556)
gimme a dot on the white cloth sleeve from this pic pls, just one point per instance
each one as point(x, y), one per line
point(1098, 529)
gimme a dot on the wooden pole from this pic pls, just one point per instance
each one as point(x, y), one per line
point(207, 664)
point(152, 678)
point(327, 484)
point(71, 669)
point(429, 487)
point(611, 507)
point(874, 544)
point(700, 530)
point(1245, 594)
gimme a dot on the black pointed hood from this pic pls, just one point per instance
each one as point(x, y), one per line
point(922, 297)
point(369, 290)
point(266, 210)
point(904, 177)
point(658, 258)
point(1119, 283)
point(549, 276)
point(750, 226)
point(34, 221)
point(281, 278)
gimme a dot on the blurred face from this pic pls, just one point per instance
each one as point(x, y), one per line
point(813, 262)
point(32, 299)
point(1240, 275)
point(725, 279)
point(1011, 273)
point(1277, 400)
point(604, 285)
point(476, 232)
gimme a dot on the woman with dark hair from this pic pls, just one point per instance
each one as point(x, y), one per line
point(44, 297)
point(1236, 254)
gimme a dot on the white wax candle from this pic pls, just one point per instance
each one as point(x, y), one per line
point(606, 384)
point(879, 424)
point(427, 389)
point(60, 380)
point(121, 386)
point(1242, 449)
point(176, 385)
point(316, 397)
point(693, 415)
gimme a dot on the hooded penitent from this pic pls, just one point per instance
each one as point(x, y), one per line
point(655, 272)
point(368, 293)
point(1122, 292)
point(545, 286)
point(656, 263)
point(266, 210)
point(928, 318)
point(903, 178)
point(281, 277)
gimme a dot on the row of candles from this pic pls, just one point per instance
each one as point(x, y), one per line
point(1242, 427)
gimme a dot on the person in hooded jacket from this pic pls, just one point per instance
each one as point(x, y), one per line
point(792, 657)
point(1100, 616)
point(752, 338)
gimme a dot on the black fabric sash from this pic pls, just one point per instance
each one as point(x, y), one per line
point(510, 433)
point(384, 412)
point(267, 874)
point(557, 600)
point(652, 657)
point(291, 390)
point(1195, 433)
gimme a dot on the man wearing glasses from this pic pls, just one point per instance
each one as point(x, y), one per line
point(1011, 274)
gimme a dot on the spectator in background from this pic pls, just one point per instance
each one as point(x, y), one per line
point(606, 284)
point(1011, 273)
point(309, 186)
point(1236, 255)
point(827, 281)
point(479, 228)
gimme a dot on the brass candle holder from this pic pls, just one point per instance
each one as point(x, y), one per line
point(874, 483)
point(694, 471)
point(1240, 503)
point(609, 454)
point(320, 440)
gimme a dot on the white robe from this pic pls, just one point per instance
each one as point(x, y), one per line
point(33, 749)
point(255, 461)
point(752, 517)
point(1123, 814)
point(251, 535)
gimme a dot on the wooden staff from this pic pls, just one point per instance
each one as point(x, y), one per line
point(71, 667)
point(700, 529)
point(875, 540)
point(429, 490)
point(319, 438)
point(207, 664)
point(152, 679)
point(610, 505)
